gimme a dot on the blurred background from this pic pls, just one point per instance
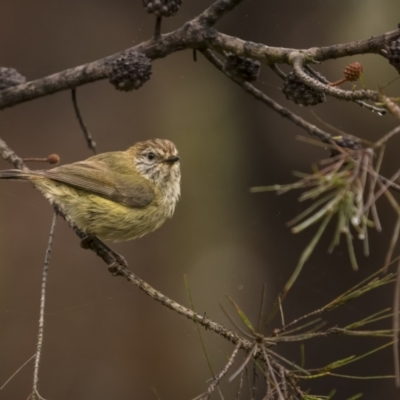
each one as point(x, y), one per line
point(104, 338)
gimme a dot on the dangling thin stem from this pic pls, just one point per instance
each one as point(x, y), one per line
point(35, 393)
point(89, 140)
point(157, 31)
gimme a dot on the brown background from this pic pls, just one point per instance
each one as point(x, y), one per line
point(104, 339)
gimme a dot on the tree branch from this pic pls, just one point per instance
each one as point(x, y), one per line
point(374, 44)
point(199, 34)
point(87, 73)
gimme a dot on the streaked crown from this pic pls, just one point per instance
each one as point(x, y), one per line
point(158, 160)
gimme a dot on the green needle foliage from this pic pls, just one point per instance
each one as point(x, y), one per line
point(344, 188)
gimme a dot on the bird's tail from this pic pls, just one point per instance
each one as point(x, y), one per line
point(15, 174)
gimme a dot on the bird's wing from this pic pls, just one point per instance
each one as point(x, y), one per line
point(96, 178)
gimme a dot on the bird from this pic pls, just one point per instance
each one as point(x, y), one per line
point(115, 196)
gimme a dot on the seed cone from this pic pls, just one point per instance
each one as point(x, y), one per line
point(295, 90)
point(243, 67)
point(162, 8)
point(353, 72)
point(394, 54)
point(130, 71)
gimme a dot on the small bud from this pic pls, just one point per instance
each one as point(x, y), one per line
point(130, 71)
point(10, 77)
point(351, 73)
point(51, 159)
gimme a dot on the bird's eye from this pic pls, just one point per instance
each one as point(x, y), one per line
point(151, 156)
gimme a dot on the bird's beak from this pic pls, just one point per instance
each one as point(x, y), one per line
point(171, 160)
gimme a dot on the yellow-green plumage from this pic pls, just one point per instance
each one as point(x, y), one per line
point(116, 196)
point(104, 218)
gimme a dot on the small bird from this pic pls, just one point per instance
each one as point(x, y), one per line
point(116, 196)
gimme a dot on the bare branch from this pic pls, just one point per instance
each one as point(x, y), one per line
point(198, 34)
point(86, 73)
point(223, 372)
point(17, 371)
point(260, 51)
point(35, 392)
point(374, 44)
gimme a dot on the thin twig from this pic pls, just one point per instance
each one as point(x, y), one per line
point(334, 128)
point(35, 393)
point(248, 383)
point(372, 186)
point(251, 354)
point(388, 136)
point(389, 183)
point(254, 382)
point(16, 372)
point(278, 71)
point(261, 311)
point(272, 373)
point(384, 186)
point(240, 387)
point(284, 383)
point(203, 346)
point(396, 231)
point(391, 105)
point(378, 110)
point(281, 311)
point(223, 372)
point(89, 140)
